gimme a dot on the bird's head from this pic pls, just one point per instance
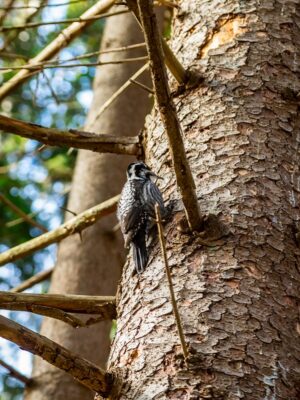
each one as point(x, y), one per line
point(139, 170)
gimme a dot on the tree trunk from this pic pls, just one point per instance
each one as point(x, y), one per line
point(93, 265)
point(238, 299)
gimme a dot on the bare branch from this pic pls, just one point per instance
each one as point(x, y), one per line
point(168, 114)
point(42, 66)
point(84, 371)
point(59, 22)
point(12, 35)
point(63, 39)
point(34, 280)
point(74, 225)
point(71, 303)
point(170, 283)
point(141, 85)
point(176, 68)
point(22, 214)
point(63, 316)
point(73, 138)
point(42, 6)
point(14, 373)
point(119, 92)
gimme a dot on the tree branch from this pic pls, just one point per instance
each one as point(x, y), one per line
point(84, 371)
point(168, 114)
point(14, 373)
point(170, 283)
point(72, 138)
point(119, 92)
point(40, 67)
point(63, 39)
point(22, 214)
point(74, 225)
point(35, 279)
point(71, 303)
point(58, 314)
point(176, 68)
point(59, 22)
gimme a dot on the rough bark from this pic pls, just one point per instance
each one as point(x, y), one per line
point(238, 300)
point(93, 266)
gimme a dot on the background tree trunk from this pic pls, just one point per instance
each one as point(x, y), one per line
point(238, 299)
point(93, 266)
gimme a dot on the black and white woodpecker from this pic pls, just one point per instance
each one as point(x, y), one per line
point(136, 210)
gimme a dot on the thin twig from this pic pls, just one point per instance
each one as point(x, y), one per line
point(170, 283)
point(34, 280)
point(72, 138)
point(141, 85)
point(12, 35)
point(61, 41)
point(62, 21)
point(42, 66)
point(71, 303)
point(43, 6)
point(87, 373)
point(119, 92)
point(92, 54)
point(74, 225)
point(169, 117)
point(22, 214)
point(14, 373)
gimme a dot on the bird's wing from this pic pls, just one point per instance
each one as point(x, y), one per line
point(131, 219)
point(130, 208)
point(151, 196)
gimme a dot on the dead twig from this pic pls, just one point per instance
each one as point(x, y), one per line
point(170, 283)
point(14, 373)
point(34, 280)
point(119, 92)
point(40, 67)
point(141, 85)
point(62, 40)
point(62, 21)
point(73, 138)
point(84, 371)
point(104, 306)
point(22, 214)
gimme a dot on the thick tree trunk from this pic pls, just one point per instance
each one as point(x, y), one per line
point(93, 265)
point(238, 300)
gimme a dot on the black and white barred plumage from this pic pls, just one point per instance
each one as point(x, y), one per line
point(136, 210)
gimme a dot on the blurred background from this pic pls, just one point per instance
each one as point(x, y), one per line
point(34, 179)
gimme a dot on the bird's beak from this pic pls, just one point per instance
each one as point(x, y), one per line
point(152, 174)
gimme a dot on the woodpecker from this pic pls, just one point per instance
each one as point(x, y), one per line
point(136, 210)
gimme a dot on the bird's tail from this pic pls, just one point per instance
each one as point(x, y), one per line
point(140, 254)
